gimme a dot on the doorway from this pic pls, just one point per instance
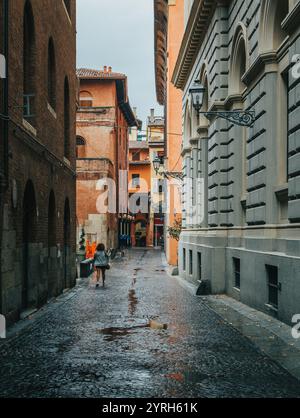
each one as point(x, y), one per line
point(29, 238)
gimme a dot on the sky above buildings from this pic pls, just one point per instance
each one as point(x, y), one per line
point(120, 34)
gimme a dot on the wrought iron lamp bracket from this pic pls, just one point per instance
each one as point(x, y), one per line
point(237, 117)
point(174, 175)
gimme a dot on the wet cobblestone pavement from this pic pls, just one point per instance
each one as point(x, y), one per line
point(99, 344)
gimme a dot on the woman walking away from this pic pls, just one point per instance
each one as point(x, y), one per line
point(101, 263)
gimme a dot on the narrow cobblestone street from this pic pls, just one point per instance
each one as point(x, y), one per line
point(97, 343)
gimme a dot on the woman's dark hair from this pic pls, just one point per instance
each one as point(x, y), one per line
point(101, 247)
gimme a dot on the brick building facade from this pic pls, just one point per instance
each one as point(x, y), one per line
point(103, 120)
point(38, 225)
point(243, 235)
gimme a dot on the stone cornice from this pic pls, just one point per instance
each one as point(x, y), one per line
point(160, 47)
point(40, 149)
point(194, 141)
point(258, 66)
point(203, 131)
point(185, 150)
point(199, 19)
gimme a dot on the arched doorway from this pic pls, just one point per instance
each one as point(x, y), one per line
point(67, 240)
point(51, 246)
point(29, 238)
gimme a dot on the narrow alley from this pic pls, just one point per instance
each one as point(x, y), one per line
point(99, 343)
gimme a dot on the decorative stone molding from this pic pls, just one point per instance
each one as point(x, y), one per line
point(199, 19)
point(185, 150)
point(194, 142)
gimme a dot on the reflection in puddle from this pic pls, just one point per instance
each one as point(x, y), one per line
point(187, 376)
point(175, 376)
point(133, 301)
point(114, 333)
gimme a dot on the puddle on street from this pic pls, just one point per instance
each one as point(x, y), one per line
point(188, 376)
point(114, 333)
point(133, 301)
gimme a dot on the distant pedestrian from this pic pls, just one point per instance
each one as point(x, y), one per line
point(101, 263)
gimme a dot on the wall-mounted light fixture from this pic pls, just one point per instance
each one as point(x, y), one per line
point(158, 168)
point(237, 117)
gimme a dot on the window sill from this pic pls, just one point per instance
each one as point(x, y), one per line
point(282, 192)
point(29, 127)
point(237, 289)
point(271, 308)
point(51, 110)
point(67, 162)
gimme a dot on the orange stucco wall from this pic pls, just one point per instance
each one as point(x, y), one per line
point(174, 114)
point(105, 132)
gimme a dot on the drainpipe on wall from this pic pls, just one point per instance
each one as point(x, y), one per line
point(4, 181)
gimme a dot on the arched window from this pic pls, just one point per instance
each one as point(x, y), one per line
point(80, 147)
point(187, 125)
point(282, 10)
point(29, 63)
point(86, 99)
point(51, 74)
point(66, 119)
point(273, 13)
point(203, 79)
point(239, 60)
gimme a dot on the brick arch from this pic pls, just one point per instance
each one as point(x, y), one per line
point(80, 147)
point(86, 98)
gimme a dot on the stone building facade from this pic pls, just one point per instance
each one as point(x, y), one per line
point(139, 190)
point(104, 117)
point(38, 199)
point(243, 236)
point(156, 141)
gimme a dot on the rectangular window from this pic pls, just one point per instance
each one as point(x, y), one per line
point(191, 262)
point(199, 266)
point(135, 180)
point(136, 156)
point(184, 259)
point(273, 285)
point(237, 272)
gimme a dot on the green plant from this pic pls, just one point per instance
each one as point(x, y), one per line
point(82, 240)
point(175, 230)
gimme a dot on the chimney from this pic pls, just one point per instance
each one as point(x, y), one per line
point(109, 69)
point(152, 114)
point(105, 68)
